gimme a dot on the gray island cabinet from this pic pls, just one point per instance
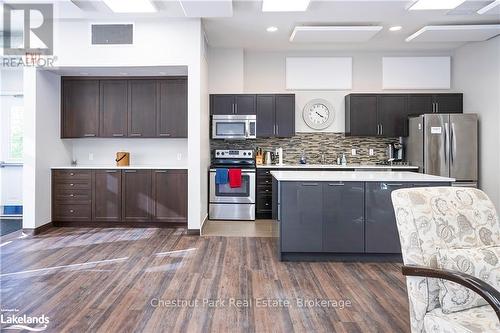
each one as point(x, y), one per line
point(340, 215)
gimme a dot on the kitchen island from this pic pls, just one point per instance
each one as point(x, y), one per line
point(340, 215)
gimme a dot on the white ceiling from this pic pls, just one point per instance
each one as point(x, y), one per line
point(120, 71)
point(247, 27)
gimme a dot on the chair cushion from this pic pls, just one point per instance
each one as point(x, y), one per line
point(481, 262)
point(479, 319)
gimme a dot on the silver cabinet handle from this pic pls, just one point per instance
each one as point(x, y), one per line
point(236, 108)
point(233, 108)
point(135, 134)
point(165, 134)
point(309, 184)
point(110, 171)
point(378, 129)
point(89, 135)
point(393, 184)
point(71, 184)
point(71, 195)
point(71, 211)
point(117, 135)
point(336, 184)
point(130, 171)
point(381, 129)
point(161, 171)
point(437, 107)
point(72, 174)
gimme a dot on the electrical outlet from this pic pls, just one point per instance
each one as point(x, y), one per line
point(353, 152)
point(371, 152)
point(179, 156)
point(91, 156)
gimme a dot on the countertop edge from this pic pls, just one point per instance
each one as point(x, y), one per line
point(358, 176)
point(100, 167)
point(335, 167)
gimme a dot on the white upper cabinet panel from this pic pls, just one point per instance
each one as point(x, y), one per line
point(318, 73)
point(416, 72)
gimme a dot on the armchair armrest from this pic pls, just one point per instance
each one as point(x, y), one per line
point(486, 291)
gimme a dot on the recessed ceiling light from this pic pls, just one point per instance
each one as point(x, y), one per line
point(488, 7)
point(130, 6)
point(285, 5)
point(272, 29)
point(436, 4)
point(396, 28)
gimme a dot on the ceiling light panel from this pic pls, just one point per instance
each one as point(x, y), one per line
point(285, 5)
point(130, 6)
point(333, 34)
point(455, 33)
point(492, 8)
point(436, 4)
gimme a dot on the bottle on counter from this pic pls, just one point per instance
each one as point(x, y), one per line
point(344, 160)
point(303, 159)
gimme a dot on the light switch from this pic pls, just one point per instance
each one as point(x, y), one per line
point(353, 152)
point(371, 152)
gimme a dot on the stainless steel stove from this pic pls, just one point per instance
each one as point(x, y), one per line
point(225, 202)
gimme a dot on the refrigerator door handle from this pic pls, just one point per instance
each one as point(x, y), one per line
point(446, 146)
point(433, 107)
point(453, 143)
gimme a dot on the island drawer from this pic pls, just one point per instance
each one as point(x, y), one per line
point(60, 186)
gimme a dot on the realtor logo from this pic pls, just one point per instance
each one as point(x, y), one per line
point(28, 29)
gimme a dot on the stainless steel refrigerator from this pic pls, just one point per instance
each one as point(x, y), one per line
point(445, 145)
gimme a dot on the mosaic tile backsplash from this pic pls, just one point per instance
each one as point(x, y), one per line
point(314, 144)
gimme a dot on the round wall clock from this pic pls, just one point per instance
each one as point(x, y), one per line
point(318, 114)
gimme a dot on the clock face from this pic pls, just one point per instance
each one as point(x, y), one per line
point(318, 114)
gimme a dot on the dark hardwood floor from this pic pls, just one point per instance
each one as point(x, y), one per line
point(112, 280)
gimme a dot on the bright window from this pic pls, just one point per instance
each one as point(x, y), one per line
point(15, 150)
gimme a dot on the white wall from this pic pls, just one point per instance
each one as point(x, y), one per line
point(171, 152)
point(477, 73)
point(43, 147)
point(264, 72)
point(157, 42)
point(225, 70)
point(204, 132)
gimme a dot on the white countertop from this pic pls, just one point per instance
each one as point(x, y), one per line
point(135, 167)
point(336, 166)
point(357, 176)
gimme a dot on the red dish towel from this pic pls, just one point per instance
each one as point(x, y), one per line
point(234, 178)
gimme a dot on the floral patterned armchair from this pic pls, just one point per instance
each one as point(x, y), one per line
point(453, 222)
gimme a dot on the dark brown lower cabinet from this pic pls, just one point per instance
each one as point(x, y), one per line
point(136, 195)
point(120, 197)
point(107, 195)
point(170, 195)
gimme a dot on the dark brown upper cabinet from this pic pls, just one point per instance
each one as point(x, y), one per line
point(80, 108)
point(435, 103)
point(142, 108)
point(172, 115)
point(226, 104)
point(276, 115)
point(113, 108)
point(266, 116)
point(387, 114)
point(392, 115)
point(285, 116)
point(170, 197)
point(136, 195)
point(107, 195)
point(361, 115)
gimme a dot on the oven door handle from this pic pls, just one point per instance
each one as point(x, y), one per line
point(243, 171)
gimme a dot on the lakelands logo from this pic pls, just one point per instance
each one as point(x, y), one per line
point(28, 28)
point(24, 322)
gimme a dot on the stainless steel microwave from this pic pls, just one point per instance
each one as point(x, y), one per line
point(234, 126)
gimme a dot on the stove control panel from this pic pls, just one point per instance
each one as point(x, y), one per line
point(233, 153)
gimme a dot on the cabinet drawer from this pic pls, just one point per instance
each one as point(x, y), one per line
point(70, 186)
point(72, 212)
point(65, 196)
point(261, 181)
point(264, 172)
point(264, 202)
point(264, 190)
point(71, 175)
